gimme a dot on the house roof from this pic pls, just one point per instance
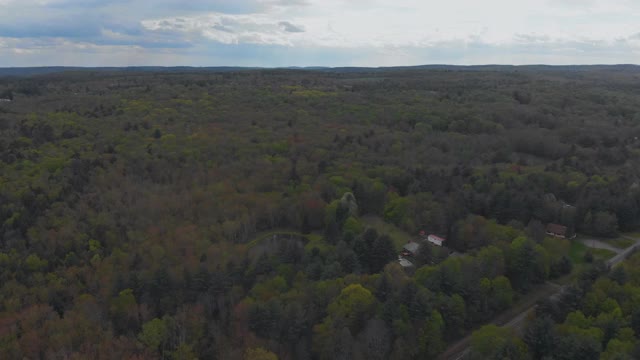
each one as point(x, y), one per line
point(404, 262)
point(557, 229)
point(412, 247)
point(565, 205)
point(436, 237)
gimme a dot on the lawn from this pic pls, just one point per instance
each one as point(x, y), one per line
point(602, 254)
point(578, 249)
point(635, 235)
point(576, 252)
point(399, 236)
point(621, 243)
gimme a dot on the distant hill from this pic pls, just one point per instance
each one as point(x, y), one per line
point(31, 71)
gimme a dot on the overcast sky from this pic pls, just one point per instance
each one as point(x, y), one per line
point(317, 32)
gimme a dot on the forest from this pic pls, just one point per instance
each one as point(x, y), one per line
point(259, 214)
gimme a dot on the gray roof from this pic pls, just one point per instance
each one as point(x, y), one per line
point(404, 262)
point(412, 247)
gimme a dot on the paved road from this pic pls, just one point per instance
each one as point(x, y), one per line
point(624, 254)
point(460, 349)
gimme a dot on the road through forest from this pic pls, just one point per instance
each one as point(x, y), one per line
point(460, 349)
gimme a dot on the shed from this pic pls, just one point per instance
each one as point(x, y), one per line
point(410, 249)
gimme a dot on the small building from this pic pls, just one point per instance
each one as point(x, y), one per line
point(435, 240)
point(558, 231)
point(410, 249)
point(566, 206)
point(404, 262)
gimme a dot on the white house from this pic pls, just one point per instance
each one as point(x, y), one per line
point(435, 240)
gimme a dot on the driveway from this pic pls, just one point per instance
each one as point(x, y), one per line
point(597, 244)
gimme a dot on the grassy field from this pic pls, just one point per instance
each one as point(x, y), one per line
point(578, 249)
point(400, 237)
point(621, 243)
point(576, 252)
point(602, 254)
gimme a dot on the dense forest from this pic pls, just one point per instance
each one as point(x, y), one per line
point(259, 214)
point(597, 318)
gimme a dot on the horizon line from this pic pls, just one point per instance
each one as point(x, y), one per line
point(309, 66)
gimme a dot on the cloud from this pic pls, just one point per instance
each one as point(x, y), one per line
point(145, 24)
point(318, 32)
point(289, 27)
point(228, 29)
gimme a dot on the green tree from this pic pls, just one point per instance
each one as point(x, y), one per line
point(184, 352)
point(540, 337)
point(605, 224)
point(351, 228)
point(124, 311)
point(454, 314)
point(528, 264)
point(502, 293)
point(352, 307)
point(259, 354)
point(493, 342)
point(431, 343)
point(396, 210)
point(382, 252)
point(154, 334)
point(34, 263)
point(576, 346)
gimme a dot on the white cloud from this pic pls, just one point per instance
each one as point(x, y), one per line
point(340, 23)
point(230, 29)
point(372, 32)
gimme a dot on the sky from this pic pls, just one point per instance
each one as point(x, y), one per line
point(277, 33)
